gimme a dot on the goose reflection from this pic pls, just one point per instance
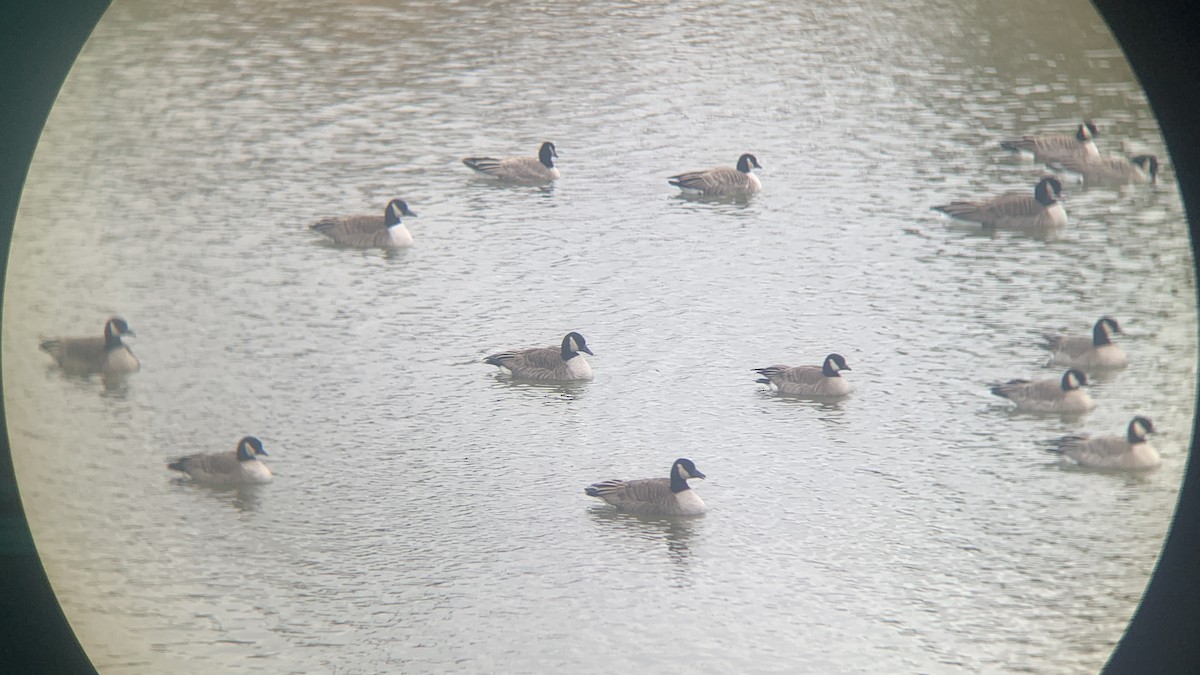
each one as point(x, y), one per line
point(1046, 234)
point(243, 498)
point(674, 533)
point(738, 206)
point(562, 391)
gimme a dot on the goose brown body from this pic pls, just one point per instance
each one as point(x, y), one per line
point(1014, 209)
point(382, 231)
point(654, 496)
point(722, 181)
point(107, 355)
point(538, 169)
point(547, 364)
point(1131, 452)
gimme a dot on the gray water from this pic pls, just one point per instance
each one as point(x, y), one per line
point(428, 515)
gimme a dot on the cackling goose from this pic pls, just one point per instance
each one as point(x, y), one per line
point(549, 364)
point(538, 169)
point(241, 467)
point(722, 181)
point(1052, 148)
point(653, 496)
point(107, 355)
point(823, 380)
point(1130, 452)
point(1052, 396)
point(1111, 171)
point(384, 231)
point(1014, 209)
point(1094, 353)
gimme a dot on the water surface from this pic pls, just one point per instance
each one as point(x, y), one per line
point(428, 515)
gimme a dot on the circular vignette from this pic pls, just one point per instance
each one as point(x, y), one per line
point(39, 44)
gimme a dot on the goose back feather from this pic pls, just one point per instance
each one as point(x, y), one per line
point(548, 364)
point(384, 231)
point(1097, 352)
point(1058, 147)
point(241, 467)
point(107, 355)
point(1014, 209)
point(1131, 452)
point(1110, 171)
point(722, 181)
point(538, 169)
point(823, 380)
point(1052, 396)
point(654, 496)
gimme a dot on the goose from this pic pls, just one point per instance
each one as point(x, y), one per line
point(384, 231)
point(1053, 396)
point(1014, 209)
point(653, 496)
point(241, 467)
point(1051, 148)
point(823, 380)
point(538, 169)
point(1130, 452)
point(722, 181)
point(1109, 170)
point(550, 364)
point(1095, 353)
point(107, 355)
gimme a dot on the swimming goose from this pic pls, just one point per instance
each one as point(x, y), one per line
point(1096, 352)
point(1014, 209)
point(518, 169)
point(654, 496)
point(1051, 148)
point(241, 467)
point(84, 355)
point(1112, 171)
point(1053, 396)
point(721, 181)
point(549, 364)
point(823, 380)
point(1130, 452)
point(384, 231)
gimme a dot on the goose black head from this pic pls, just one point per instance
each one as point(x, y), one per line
point(114, 328)
point(833, 364)
point(248, 449)
point(1138, 428)
point(547, 153)
point(1086, 131)
point(395, 209)
point(686, 468)
point(1048, 190)
point(572, 344)
point(746, 162)
point(1073, 379)
point(1103, 330)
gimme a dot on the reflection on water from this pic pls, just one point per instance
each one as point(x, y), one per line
point(431, 517)
point(244, 498)
point(673, 533)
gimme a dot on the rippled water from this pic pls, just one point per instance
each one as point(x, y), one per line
point(428, 515)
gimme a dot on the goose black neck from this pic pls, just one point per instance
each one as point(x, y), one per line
point(112, 338)
point(546, 155)
point(678, 483)
point(1044, 193)
point(567, 352)
point(1100, 334)
point(392, 217)
point(828, 370)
